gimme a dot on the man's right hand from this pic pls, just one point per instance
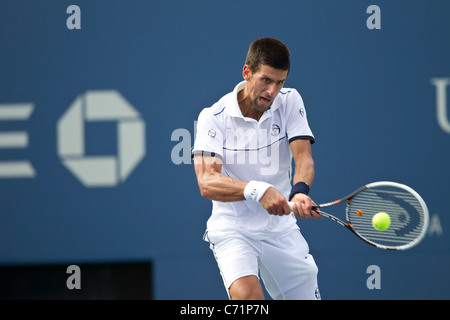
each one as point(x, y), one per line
point(275, 203)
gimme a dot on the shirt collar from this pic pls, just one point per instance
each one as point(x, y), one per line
point(233, 105)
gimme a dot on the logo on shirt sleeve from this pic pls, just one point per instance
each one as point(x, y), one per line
point(302, 112)
point(212, 133)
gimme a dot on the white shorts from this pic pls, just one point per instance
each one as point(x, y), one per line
point(286, 268)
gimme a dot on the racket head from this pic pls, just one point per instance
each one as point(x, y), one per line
point(406, 208)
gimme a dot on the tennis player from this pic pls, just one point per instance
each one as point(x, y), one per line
point(242, 155)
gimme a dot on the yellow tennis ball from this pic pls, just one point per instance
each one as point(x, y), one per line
point(381, 221)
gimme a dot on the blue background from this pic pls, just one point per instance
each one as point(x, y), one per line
point(370, 105)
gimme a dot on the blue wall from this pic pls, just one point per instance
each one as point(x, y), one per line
point(370, 100)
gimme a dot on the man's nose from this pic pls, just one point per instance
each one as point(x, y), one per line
point(271, 90)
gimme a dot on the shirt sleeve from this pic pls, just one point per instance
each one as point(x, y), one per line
point(209, 136)
point(297, 126)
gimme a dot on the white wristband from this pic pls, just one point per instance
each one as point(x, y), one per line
point(255, 190)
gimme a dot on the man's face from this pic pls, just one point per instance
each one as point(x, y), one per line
point(264, 85)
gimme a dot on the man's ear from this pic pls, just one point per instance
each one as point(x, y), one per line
point(246, 73)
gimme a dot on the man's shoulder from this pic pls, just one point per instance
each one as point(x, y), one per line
point(218, 107)
point(287, 98)
point(288, 92)
point(214, 110)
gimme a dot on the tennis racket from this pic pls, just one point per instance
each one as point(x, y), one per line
point(407, 211)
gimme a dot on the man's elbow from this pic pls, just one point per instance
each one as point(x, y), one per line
point(205, 190)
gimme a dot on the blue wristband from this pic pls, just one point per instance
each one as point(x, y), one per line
point(300, 187)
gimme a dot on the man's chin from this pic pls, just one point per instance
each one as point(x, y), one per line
point(261, 108)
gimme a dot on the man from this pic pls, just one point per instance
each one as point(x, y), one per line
point(242, 157)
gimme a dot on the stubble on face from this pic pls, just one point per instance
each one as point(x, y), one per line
point(261, 90)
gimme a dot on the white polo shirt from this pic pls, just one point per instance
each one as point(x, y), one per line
point(252, 150)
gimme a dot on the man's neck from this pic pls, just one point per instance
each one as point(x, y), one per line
point(246, 106)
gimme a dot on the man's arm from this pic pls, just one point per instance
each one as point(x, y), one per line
point(304, 163)
point(214, 185)
point(304, 172)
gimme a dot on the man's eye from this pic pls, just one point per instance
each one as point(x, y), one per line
point(266, 80)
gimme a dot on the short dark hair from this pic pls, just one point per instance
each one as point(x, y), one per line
point(268, 51)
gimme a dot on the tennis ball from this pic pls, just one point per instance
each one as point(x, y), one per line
point(381, 221)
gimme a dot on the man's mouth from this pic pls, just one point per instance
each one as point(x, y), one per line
point(264, 101)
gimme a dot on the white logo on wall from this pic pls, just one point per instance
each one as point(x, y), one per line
point(15, 140)
point(101, 171)
point(441, 85)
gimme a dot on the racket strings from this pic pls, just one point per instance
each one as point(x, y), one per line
point(404, 209)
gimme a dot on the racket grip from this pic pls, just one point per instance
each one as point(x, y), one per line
point(291, 205)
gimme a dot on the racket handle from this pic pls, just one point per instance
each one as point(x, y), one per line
point(291, 205)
